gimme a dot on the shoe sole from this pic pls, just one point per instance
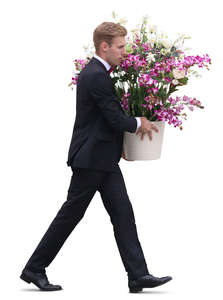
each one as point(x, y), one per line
point(139, 289)
point(135, 290)
point(26, 279)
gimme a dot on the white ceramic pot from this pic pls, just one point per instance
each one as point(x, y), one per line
point(146, 149)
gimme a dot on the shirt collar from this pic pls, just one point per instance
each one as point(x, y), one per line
point(107, 66)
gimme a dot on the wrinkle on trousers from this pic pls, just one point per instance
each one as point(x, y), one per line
point(83, 186)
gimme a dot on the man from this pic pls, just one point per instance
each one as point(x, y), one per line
point(94, 153)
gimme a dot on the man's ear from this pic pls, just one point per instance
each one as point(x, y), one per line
point(104, 45)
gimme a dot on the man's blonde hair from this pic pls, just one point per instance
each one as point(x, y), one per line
point(106, 31)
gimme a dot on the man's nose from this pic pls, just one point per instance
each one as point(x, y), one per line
point(123, 52)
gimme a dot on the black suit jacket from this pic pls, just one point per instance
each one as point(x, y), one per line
point(97, 138)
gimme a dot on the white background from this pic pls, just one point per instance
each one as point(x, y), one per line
point(176, 199)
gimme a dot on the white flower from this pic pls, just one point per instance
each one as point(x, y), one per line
point(135, 31)
point(122, 21)
point(152, 42)
point(145, 19)
point(166, 44)
point(152, 28)
point(150, 57)
point(163, 51)
point(175, 81)
point(178, 74)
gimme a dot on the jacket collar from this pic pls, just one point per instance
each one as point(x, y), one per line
point(105, 63)
point(100, 63)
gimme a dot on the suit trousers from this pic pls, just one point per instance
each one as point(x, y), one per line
point(83, 186)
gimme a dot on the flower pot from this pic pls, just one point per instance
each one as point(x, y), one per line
point(146, 149)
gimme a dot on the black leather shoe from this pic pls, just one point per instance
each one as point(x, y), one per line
point(146, 281)
point(40, 280)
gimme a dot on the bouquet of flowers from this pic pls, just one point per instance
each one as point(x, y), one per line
point(151, 71)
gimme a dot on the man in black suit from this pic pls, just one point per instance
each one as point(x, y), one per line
point(94, 153)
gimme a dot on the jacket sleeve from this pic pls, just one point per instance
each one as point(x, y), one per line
point(100, 90)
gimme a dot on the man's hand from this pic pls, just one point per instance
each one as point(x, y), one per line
point(146, 127)
point(123, 156)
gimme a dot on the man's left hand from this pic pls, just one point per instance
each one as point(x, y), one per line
point(123, 156)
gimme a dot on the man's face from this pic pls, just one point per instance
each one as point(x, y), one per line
point(114, 54)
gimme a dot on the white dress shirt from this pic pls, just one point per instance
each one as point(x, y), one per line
point(108, 66)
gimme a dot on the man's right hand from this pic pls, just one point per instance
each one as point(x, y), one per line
point(146, 127)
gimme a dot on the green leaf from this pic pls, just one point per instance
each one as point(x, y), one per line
point(183, 80)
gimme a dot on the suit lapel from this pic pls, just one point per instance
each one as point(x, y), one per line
point(99, 63)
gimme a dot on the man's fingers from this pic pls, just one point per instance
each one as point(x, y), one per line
point(138, 131)
point(123, 156)
point(155, 128)
point(150, 135)
point(142, 136)
point(149, 131)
